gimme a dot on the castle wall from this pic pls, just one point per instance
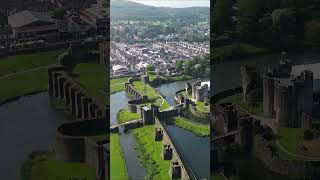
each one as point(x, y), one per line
point(179, 163)
point(268, 96)
point(63, 87)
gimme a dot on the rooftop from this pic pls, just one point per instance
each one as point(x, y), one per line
point(26, 17)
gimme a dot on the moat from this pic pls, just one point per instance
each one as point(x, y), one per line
point(244, 166)
point(195, 150)
point(30, 123)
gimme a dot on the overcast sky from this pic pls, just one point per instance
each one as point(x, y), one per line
point(175, 3)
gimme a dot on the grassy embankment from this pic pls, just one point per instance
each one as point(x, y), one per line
point(118, 169)
point(125, 116)
point(149, 153)
point(117, 85)
point(196, 128)
point(238, 99)
point(234, 51)
point(46, 166)
point(26, 80)
point(93, 78)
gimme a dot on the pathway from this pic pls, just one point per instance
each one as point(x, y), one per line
point(26, 71)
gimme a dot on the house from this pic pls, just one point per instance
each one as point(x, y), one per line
point(29, 25)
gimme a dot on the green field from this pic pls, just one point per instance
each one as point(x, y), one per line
point(238, 99)
point(196, 128)
point(149, 153)
point(118, 169)
point(16, 63)
point(125, 116)
point(92, 77)
point(46, 166)
point(201, 107)
point(150, 92)
point(117, 85)
point(235, 51)
point(23, 84)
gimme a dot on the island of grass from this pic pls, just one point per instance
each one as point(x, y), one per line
point(44, 165)
point(124, 116)
point(118, 169)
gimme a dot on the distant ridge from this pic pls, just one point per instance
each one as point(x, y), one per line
point(126, 9)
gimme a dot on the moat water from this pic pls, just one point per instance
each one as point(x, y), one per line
point(227, 75)
point(27, 124)
point(195, 150)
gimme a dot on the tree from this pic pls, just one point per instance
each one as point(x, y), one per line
point(59, 13)
point(284, 23)
point(249, 12)
point(222, 15)
point(179, 66)
point(312, 31)
point(150, 67)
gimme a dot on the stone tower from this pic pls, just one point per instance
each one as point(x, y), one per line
point(250, 84)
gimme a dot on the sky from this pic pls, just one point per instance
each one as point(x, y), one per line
point(175, 3)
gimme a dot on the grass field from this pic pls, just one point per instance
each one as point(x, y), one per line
point(92, 77)
point(238, 99)
point(46, 166)
point(201, 107)
point(290, 137)
point(125, 116)
point(198, 129)
point(150, 153)
point(117, 85)
point(23, 84)
point(150, 92)
point(118, 169)
point(16, 63)
point(235, 51)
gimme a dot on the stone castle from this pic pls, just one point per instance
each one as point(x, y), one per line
point(286, 98)
point(198, 91)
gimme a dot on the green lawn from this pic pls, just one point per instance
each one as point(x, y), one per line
point(118, 169)
point(217, 177)
point(16, 63)
point(46, 166)
point(202, 107)
point(196, 128)
point(23, 84)
point(290, 138)
point(149, 153)
point(238, 99)
point(234, 51)
point(92, 77)
point(150, 92)
point(125, 116)
point(117, 85)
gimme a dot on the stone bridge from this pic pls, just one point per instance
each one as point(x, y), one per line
point(178, 168)
point(127, 125)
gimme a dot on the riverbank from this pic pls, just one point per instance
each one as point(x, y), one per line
point(117, 85)
point(149, 153)
point(22, 75)
point(44, 165)
point(118, 169)
point(197, 129)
